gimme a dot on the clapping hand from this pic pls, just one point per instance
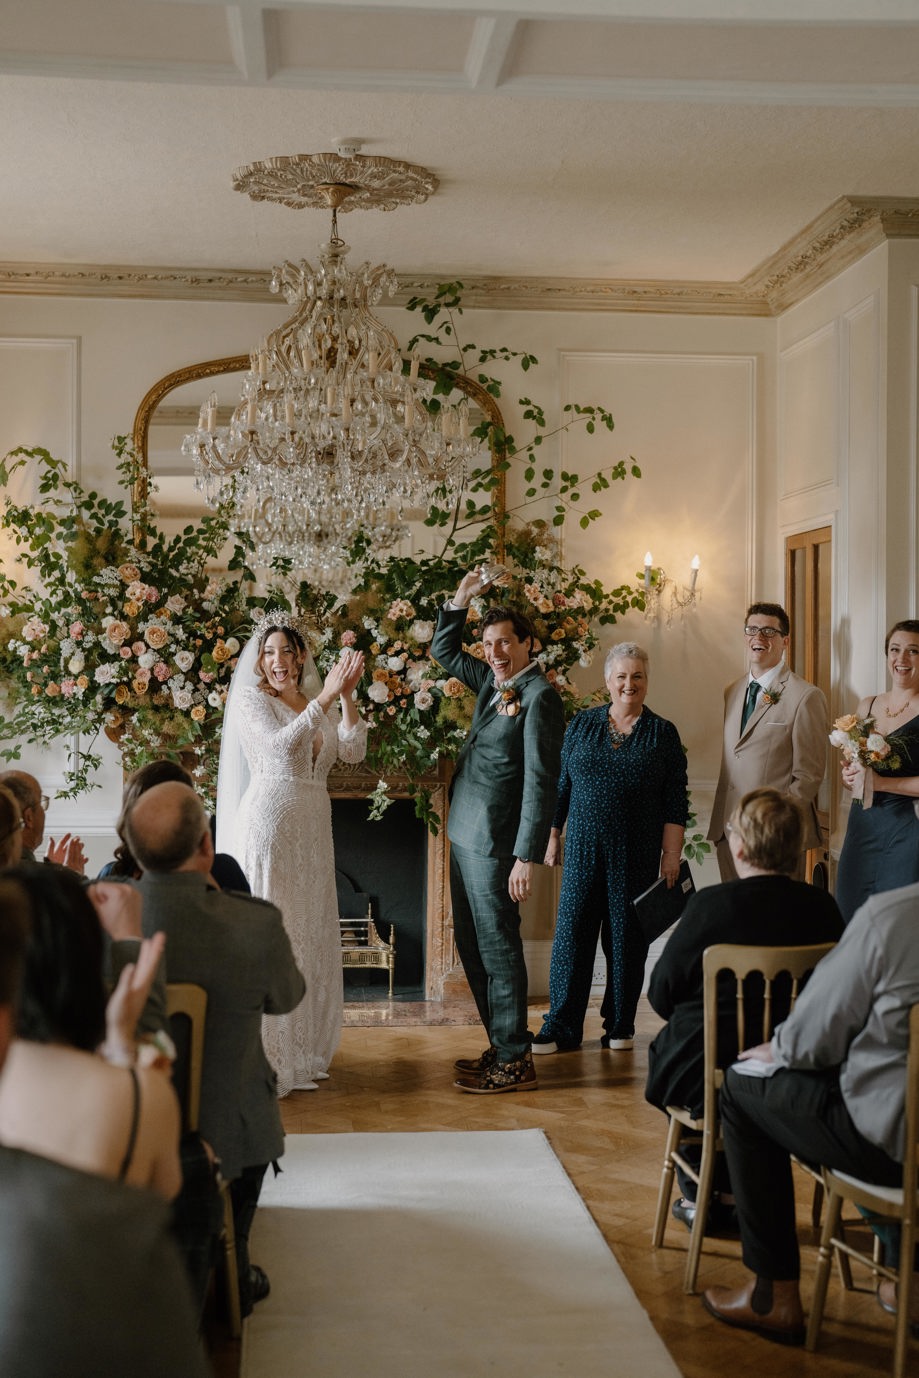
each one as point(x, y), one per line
point(343, 677)
point(68, 852)
point(129, 997)
point(118, 907)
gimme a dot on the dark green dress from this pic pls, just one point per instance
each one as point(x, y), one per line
point(881, 849)
point(616, 802)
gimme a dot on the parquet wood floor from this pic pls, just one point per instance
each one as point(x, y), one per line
point(592, 1108)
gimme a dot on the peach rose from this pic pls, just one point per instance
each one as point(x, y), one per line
point(128, 574)
point(454, 688)
point(198, 713)
point(156, 637)
point(122, 693)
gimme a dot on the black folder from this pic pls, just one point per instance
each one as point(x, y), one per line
point(657, 908)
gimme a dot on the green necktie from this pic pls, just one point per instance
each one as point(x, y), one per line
point(750, 703)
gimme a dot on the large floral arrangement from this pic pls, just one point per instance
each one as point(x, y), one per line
point(417, 713)
point(113, 626)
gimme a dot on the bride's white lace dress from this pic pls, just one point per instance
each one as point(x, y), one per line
point(284, 833)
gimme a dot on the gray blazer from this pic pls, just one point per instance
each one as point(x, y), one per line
point(504, 790)
point(236, 947)
point(91, 1281)
point(784, 745)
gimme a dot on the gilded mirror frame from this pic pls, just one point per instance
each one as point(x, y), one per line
point(239, 363)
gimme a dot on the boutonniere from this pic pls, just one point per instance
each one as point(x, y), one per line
point(772, 695)
point(508, 704)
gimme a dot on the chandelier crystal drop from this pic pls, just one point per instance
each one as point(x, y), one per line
point(334, 436)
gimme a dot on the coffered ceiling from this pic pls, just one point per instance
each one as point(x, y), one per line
point(621, 151)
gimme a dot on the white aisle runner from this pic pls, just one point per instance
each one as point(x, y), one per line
point(441, 1255)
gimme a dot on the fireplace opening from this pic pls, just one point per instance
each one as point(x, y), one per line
point(386, 859)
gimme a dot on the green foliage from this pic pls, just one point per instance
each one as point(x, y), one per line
point(564, 490)
point(107, 624)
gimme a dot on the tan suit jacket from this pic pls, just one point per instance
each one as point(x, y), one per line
point(783, 745)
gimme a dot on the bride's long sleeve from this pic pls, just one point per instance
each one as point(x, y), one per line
point(264, 738)
point(352, 742)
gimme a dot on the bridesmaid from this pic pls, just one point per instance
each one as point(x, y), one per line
point(881, 849)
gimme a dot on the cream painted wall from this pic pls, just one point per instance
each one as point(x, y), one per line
point(847, 458)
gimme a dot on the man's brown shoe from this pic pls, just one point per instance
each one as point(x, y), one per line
point(518, 1075)
point(770, 1309)
point(475, 1066)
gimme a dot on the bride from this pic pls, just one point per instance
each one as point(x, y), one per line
point(282, 734)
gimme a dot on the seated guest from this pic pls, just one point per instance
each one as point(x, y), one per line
point(764, 907)
point(235, 947)
point(11, 826)
point(119, 1121)
point(33, 806)
point(90, 1280)
point(836, 1097)
point(226, 872)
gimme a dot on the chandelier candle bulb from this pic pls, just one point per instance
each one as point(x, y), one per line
point(694, 567)
point(413, 370)
point(372, 363)
point(262, 363)
point(649, 561)
point(289, 412)
point(251, 417)
point(346, 410)
point(212, 413)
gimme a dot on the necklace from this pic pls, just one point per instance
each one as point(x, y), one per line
point(899, 710)
point(616, 737)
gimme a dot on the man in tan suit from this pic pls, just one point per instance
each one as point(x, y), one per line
point(775, 732)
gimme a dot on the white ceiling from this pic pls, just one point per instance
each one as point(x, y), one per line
point(677, 140)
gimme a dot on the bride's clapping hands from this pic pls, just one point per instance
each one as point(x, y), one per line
point(342, 677)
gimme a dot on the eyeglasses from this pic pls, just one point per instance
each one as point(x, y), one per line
point(767, 632)
point(17, 827)
point(42, 802)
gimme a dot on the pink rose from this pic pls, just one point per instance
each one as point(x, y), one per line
point(349, 638)
point(161, 670)
point(125, 653)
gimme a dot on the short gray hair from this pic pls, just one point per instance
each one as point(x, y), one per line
point(625, 650)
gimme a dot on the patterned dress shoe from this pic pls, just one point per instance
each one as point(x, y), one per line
point(518, 1075)
point(475, 1066)
point(770, 1309)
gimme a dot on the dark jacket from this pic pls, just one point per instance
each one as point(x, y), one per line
point(772, 911)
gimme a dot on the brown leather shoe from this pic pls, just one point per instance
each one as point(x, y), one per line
point(517, 1075)
point(770, 1309)
point(475, 1066)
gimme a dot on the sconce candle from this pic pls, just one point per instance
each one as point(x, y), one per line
point(695, 565)
point(649, 561)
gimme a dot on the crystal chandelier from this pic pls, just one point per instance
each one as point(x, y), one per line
point(333, 436)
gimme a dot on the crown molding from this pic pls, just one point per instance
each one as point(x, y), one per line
point(837, 238)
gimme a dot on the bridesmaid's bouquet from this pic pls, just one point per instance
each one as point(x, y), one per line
point(857, 739)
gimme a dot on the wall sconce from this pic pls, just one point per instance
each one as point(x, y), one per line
point(663, 596)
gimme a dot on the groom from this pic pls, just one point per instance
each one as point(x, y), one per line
point(502, 801)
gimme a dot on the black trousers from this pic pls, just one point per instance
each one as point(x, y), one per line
point(244, 1194)
point(764, 1120)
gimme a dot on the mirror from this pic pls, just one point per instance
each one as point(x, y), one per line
point(170, 410)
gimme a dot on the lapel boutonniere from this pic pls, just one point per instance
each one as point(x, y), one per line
point(508, 704)
point(771, 695)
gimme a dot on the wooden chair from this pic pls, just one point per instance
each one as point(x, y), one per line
point(186, 1007)
point(900, 1204)
point(740, 961)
